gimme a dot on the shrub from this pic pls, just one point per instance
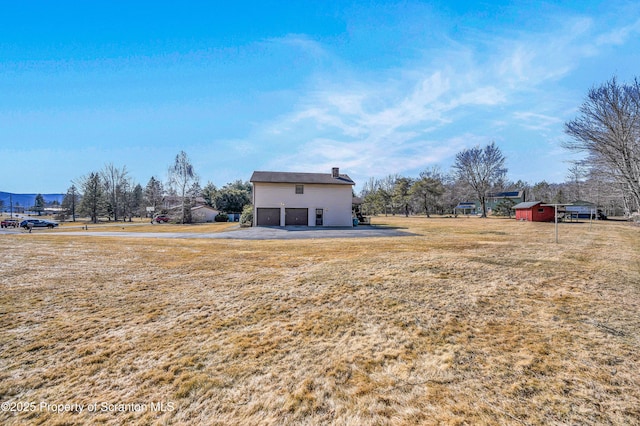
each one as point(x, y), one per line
point(221, 217)
point(246, 218)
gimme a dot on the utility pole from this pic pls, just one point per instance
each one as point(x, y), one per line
point(556, 219)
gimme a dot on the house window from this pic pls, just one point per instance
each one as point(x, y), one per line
point(540, 210)
point(299, 189)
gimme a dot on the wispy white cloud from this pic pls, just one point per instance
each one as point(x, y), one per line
point(534, 121)
point(619, 36)
point(301, 42)
point(533, 59)
point(405, 119)
point(387, 126)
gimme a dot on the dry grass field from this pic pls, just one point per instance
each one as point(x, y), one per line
point(144, 226)
point(469, 321)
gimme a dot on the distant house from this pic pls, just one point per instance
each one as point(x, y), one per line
point(466, 207)
point(308, 199)
point(203, 214)
point(495, 198)
point(534, 211)
point(492, 200)
point(584, 210)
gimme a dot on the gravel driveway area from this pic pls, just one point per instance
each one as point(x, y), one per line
point(259, 233)
point(305, 232)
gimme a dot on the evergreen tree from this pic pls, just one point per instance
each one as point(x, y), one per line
point(209, 194)
point(39, 204)
point(153, 194)
point(93, 199)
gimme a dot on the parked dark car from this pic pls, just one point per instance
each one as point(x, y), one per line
point(37, 223)
point(9, 223)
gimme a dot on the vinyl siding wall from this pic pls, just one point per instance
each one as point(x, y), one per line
point(335, 200)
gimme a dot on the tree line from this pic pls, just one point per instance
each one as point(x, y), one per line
point(606, 131)
point(436, 192)
point(111, 193)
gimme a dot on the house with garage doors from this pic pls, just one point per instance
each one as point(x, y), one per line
point(307, 199)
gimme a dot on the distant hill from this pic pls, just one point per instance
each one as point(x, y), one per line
point(26, 200)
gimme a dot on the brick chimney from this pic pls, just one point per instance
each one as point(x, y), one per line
point(335, 172)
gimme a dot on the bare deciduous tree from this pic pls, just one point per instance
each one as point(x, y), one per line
point(480, 168)
point(70, 200)
point(182, 175)
point(114, 181)
point(576, 175)
point(608, 130)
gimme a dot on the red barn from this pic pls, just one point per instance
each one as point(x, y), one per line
point(534, 211)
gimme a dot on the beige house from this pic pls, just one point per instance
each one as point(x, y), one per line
point(307, 199)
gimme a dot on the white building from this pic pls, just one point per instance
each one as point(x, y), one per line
point(309, 199)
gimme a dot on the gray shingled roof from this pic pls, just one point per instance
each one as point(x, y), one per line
point(294, 177)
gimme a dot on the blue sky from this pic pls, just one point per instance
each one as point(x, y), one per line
point(375, 88)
